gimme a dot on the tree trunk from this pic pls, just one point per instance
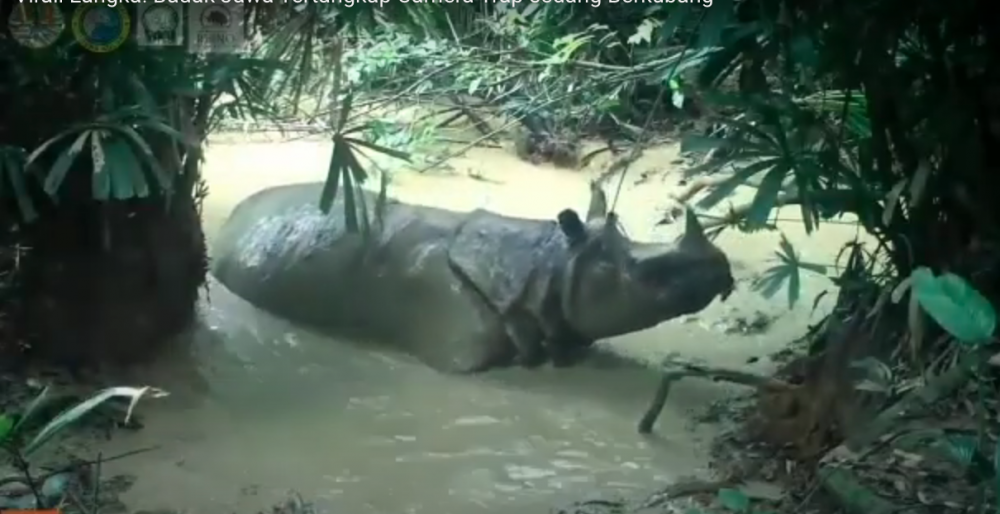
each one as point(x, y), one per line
point(111, 282)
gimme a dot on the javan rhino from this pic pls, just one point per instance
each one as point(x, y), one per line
point(463, 292)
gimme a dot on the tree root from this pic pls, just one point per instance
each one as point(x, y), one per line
point(841, 483)
point(687, 488)
point(851, 495)
point(760, 382)
point(936, 389)
point(672, 492)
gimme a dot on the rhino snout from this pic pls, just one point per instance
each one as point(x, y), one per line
point(685, 282)
point(728, 291)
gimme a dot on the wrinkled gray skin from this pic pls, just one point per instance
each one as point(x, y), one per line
point(463, 292)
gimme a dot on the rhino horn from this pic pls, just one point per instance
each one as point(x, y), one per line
point(598, 202)
point(694, 233)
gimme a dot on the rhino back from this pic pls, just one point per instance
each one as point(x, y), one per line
point(278, 251)
point(506, 258)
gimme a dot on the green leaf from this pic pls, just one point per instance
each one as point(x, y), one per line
point(677, 99)
point(146, 153)
point(380, 149)
point(345, 112)
point(358, 177)
point(767, 197)
point(57, 174)
point(474, 85)
point(329, 192)
point(358, 172)
point(643, 33)
point(962, 448)
point(73, 414)
point(382, 200)
point(100, 183)
point(32, 409)
point(739, 178)
point(955, 305)
point(815, 268)
point(127, 177)
point(172, 133)
point(734, 500)
point(15, 175)
point(48, 144)
point(350, 205)
point(6, 427)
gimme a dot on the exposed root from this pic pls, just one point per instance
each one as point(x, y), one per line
point(539, 147)
point(760, 382)
point(936, 389)
point(682, 489)
point(689, 488)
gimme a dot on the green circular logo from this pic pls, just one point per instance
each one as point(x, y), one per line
point(101, 28)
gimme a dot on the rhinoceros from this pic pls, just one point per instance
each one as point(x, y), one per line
point(463, 291)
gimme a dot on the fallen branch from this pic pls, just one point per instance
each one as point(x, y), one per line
point(761, 382)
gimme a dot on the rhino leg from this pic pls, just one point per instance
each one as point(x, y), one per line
point(565, 347)
point(527, 338)
point(465, 338)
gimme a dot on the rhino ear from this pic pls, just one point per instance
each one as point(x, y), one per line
point(572, 227)
point(598, 202)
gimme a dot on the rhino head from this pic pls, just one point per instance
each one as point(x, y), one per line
point(614, 286)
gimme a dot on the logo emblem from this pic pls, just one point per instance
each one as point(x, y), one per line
point(36, 26)
point(159, 25)
point(101, 28)
point(216, 28)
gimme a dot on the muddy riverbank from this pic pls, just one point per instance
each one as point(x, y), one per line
point(260, 406)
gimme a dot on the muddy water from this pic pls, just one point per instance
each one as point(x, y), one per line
point(260, 407)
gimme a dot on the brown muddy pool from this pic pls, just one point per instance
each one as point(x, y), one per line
point(259, 407)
